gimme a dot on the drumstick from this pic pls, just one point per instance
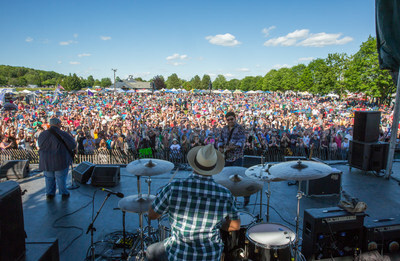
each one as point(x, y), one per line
point(176, 171)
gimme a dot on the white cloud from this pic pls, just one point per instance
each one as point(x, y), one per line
point(105, 38)
point(74, 63)
point(279, 66)
point(28, 39)
point(68, 42)
point(59, 62)
point(243, 70)
point(75, 35)
point(266, 31)
point(84, 55)
point(177, 63)
point(229, 75)
point(223, 40)
point(177, 56)
point(305, 59)
point(324, 39)
point(308, 39)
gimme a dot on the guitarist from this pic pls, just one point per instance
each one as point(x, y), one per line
point(231, 143)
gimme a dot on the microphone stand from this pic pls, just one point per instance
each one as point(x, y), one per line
point(91, 228)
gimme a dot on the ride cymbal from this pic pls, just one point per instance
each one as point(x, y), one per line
point(300, 170)
point(149, 167)
point(261, 172)
point(136, 204)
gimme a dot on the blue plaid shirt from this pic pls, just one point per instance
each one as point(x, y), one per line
point(238, 138)
point(196, 207)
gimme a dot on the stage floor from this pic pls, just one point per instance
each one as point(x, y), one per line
point(67, 219)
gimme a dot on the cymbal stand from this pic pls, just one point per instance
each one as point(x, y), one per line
point(299, 195)
point(148, 181)
point(91, 228)
point(261, 205)
point(268, 193)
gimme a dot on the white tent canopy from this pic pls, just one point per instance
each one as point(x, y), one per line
point(237, 92)
point(226, 91)
point(217, 91)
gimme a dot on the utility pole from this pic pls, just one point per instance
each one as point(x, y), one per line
point(114, 77)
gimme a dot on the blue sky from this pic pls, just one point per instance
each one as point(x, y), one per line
point(147, 38)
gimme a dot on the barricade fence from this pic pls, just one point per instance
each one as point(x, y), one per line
point(178, 157)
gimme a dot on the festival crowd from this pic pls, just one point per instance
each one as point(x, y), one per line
point(179, 122)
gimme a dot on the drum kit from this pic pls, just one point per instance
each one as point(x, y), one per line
point(255, 240)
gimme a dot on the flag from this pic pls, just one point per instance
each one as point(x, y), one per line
point(59, 87)
point(89, 93)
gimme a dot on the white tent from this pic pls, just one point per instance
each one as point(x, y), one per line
point(92, 90)
point(332, 95)
point(144, 91)
point(251, 92)
point(226, 91)
point(217, 91)
point(237, 92)
point(25, 91)
point(259, 91)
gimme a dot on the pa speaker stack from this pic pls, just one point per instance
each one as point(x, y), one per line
point(14, 169)
point(366, 152)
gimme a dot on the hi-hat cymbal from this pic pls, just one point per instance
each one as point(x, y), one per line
point(300, 170)
point(149, 167)
point(136, 204)
point(261, 172)
point(234, 179)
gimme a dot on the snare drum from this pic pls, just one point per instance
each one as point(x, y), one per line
point(234, 241)
point(164, 227)
point(271, 241)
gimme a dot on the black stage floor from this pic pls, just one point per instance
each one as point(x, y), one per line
point(67, 219)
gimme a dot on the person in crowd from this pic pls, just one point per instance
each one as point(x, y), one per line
point(55, 156)
point(196, 206)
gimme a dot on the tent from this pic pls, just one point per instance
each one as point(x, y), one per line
point(216, 91)
point(251, 92)
point(237, 92)
point(332, 95)
point(227, 91)
point(25, 92)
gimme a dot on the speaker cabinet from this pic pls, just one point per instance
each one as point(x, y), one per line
point(106, 175)
point(382, 235)
point(43, 250)
point(329, 185)
point(331, 232)
point(368, 156)
point(12, 233)
point(83, 172)
point(15, 169)
point(366, 126)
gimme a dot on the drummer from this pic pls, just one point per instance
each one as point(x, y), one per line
point(196, 207)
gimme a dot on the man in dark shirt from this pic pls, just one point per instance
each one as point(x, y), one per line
point(55, 158)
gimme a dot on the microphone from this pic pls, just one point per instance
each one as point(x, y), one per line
point(118, 194)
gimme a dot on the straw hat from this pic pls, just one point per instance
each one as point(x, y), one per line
point(206, 160)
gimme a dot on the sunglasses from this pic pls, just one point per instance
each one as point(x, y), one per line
point(230, 119)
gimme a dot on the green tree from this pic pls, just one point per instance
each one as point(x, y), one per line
point(139, 79)
point(159, 82)
point(205, 82)
point(338, 64)
point(219, 83)
point(233, 84)
point(117, 79)
point(173, 82)
point(90, 81)
point(105, 82)
point(195, 82)
point(72, 83)
point(297, 72)
point(248, 83)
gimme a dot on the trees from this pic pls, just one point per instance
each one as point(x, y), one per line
point(90, 81)
point(219, 83)
point(173, 81)
point(71, 83)
point(205, 82)
point(105, 82)
point(195, 82)
point(159, 82)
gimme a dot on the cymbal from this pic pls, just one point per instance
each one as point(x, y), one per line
point(240, 185)
point(135, 204)
point(300, 170)
point(261, 172)
point(149, 167)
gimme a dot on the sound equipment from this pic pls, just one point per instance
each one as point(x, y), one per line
point(329, 185)
point(382, 234)
point(366, 126)
point(12, 233)
point(44, 250)
point(249, 161)
point(83, 172)
point(14, 169)
point(331, 232)
point(368, 156)
point(106, 175)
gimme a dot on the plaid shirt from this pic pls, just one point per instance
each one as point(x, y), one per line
point(196, 207)
point(238, 138)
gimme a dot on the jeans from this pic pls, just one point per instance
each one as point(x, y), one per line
point(59, 176)
point(156, 252)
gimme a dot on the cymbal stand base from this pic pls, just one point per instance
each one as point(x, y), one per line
point(299, 195)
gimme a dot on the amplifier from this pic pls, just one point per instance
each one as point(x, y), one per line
point(331, 232)
point(83, 172)
point(106, 175)
point(329, 185)
point(382, 235)
point(15, 169)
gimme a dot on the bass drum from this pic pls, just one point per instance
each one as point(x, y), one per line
point(270, 241)
point(235, 241)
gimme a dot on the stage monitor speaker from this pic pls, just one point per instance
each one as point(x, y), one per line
point(368, 156)
point(43, 250)
point(83, 172)
point(329, 185)
point(382, 235)
point(106, 175)
point(12, 233)
point(331, 232)
point(15, 169)
point(366, 126)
